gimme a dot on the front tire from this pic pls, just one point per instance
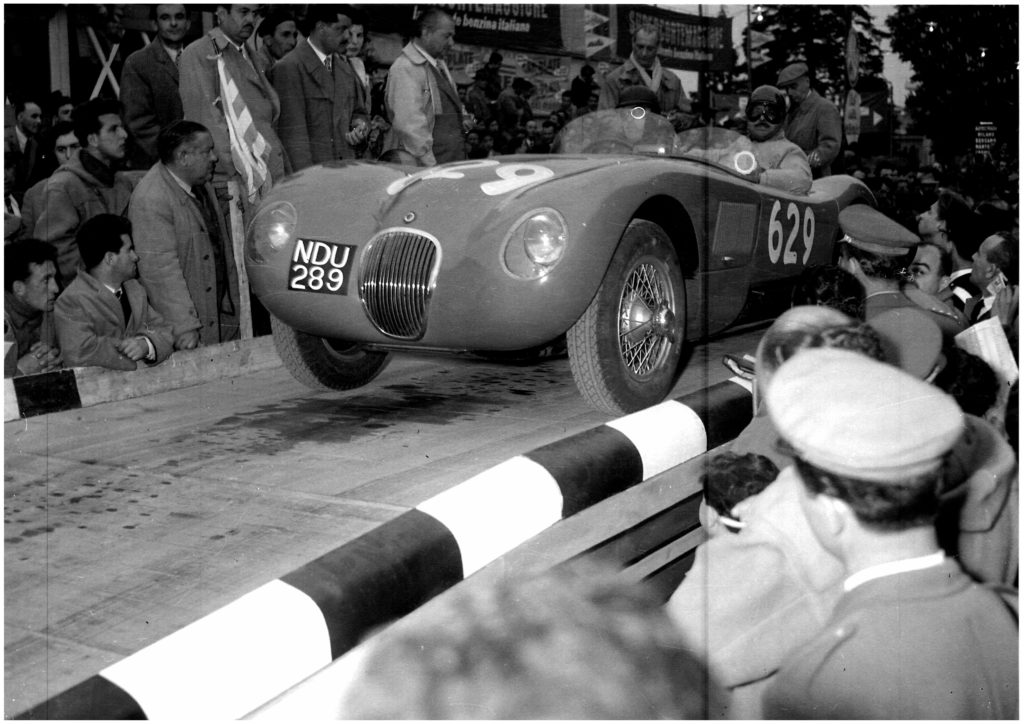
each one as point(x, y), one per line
point(624, 351)
point(324, 364)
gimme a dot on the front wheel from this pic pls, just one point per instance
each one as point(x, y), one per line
point(325, 364)
point(624, 351)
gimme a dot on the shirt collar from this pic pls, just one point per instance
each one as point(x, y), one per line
point(892, 568)
point(425, 54)
point(321, 55)
point(185, 187)
point(22, 138)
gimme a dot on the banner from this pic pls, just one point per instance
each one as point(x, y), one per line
point(536, 28)
point(688, 42)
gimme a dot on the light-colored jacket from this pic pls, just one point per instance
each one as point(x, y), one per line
point(90, 323)
point(786, 167)
point(199, 85)
point(413, 99)
point(72, 196)
point(176, 257)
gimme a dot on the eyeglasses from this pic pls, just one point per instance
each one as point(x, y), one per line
point(769, 111)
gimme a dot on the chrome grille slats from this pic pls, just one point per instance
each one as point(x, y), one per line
point(396, 280)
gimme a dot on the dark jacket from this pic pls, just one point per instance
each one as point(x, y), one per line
point(149, 93)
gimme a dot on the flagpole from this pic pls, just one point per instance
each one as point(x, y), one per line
point(750, 65)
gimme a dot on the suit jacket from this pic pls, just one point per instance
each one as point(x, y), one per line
point(90, 322)
point(925, 644)
point(177, 258)
point(414, 102)
point(814, 124)
point(149, 93)
point(199, 86)
point(317, 110)
point(27, 168)
point(670, 90)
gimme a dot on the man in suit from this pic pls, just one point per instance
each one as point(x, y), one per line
point(278, 35)
point(424, 109)
point(322, 113)
point(813, 123)
point(104, 317)
point(186, 262)
point(149, 84)
point(912, 636)
point(200, 89)
point(22, 144)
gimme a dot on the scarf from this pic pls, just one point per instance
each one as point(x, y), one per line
point(652, 81)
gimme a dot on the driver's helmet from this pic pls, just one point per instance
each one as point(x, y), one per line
point(639, 95)
point(766, 112)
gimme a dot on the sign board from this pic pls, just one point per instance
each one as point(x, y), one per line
point(534, 28)
point(851, 116)
point(688, 42)
point(852, 57)
point(984, 136)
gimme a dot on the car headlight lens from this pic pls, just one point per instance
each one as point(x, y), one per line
point(536, 243)
point(272, 230)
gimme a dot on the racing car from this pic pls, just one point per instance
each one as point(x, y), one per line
point(628, 240)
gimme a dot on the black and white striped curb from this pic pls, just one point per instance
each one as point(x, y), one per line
point(237, 658)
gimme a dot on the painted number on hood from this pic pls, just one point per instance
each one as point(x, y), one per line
point(777, 233)
point(512, 175)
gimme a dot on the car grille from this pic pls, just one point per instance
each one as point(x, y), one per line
point(397, 278)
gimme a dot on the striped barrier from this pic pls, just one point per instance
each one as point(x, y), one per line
point(77, 387)
point(235, 659)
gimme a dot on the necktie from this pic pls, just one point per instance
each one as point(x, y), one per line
point(177, 57)
point(329, 65)
point(126, 307)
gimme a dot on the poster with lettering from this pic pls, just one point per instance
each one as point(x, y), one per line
point(688, 42)
point(536, 28)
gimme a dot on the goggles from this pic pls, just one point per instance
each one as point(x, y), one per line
point(769, 111)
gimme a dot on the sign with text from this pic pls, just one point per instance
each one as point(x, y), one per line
point(688, 42)
point(507, 26)
point(984, 136)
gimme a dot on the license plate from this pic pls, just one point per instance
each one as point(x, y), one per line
point(319, 266)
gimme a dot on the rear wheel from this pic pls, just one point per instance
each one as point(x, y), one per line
point(325, 364)
point(624, 351)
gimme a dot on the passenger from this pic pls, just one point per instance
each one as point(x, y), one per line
point(729, 478)
point(30, 340)
point(104, 317)
point(876, 249)
point(913, 636)
point(576, 642)
point(780, 163)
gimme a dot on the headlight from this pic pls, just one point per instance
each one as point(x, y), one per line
point(272, 230)
point(535, 244)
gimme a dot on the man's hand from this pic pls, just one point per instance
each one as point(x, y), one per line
point(187, 340)
point(814, 158)
point(1006, 304)
point(134, 348)
point(468, 122)
point(359, 132)
point(40, 357)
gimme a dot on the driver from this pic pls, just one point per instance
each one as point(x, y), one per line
point(781, 164)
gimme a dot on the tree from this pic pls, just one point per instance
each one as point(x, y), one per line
point(816, 35)
point(964, 60)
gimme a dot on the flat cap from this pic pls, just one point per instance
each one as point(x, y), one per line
point(911, 340)
point(854, 416)
point(869, 229)
point(790, 73)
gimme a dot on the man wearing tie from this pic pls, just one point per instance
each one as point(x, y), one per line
point(104, 318)
point(149, 84)
point(21, 144)
point(186, 262)
point(323, 117)
point(427, 118)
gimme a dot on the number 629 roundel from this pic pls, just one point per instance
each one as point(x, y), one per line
point(783, 230)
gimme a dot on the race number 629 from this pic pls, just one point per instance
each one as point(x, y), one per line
point(777, 233)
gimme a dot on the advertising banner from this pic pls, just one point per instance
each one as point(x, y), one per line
point(536, 28)
point(688, 42)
